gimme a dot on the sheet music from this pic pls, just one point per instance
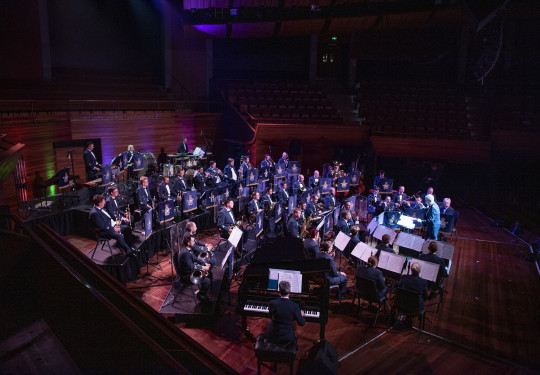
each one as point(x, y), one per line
point(363, 251)
point(341, 241)
point(294, 278)
point(406, 221)
point(382, 230)
point(410, 241)
point(372, 226)
point(320, 224)
point(235, 236)
point(429, 271)
point(446, 251)
point(227, 256)
point(391, 262)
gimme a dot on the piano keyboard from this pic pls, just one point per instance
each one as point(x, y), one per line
point(262, 307)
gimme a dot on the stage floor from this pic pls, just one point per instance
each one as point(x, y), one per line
point(488, 322)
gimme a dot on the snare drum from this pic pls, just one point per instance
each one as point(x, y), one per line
point(168, 170)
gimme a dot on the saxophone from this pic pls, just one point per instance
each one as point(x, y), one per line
point(305, 227)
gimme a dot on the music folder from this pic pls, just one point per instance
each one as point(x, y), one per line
point(363, 251)
point(341, 241)
point(372, 226)
point(445, 251)
point(410, 241)
point(391, 262)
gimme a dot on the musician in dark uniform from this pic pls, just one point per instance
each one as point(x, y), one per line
point(225, 219)
point(183, 147)
point(312, 207)
point(447, 209)
point(180, 184)
point(284, 159)
point(144, 199)
point(266, 200)
point(333, 276)
point(384, 245)
point(434, 258)
point(299, 186)
point(315, 180)
point(355, 239)
point(186, 265)
point(254, 207)
point(302, 206)
point(432, 218)
point(379, 180)
point(130, 156)
point(374, 199)
point(311, 243)
point(214, 175)
point(199, 246)
point(330, 199)
point(105, 225)
point(90, 162)
point(400, 198)
point(385, 205)
point(112, 208)
point(267, 162)
point(417, 204)
point(292, 225)
point(165, 190)
point(199, 179)
point(229, 172)
point(283, 313)
point(284, 194)
point(245, 167)
point(429, 192)
point(414, 283)
point(372, 273)
point(342, 225)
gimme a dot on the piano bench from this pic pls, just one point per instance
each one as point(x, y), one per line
point(267, 351)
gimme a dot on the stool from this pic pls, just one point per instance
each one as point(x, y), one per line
point(267, 351)
point(102, 241)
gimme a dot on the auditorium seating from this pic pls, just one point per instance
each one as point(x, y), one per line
point(283, 101)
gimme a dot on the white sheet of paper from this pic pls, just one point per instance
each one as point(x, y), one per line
point(410, 241)
point(406, 222)
point(341, 241)
point(294, 278)
point(446, 251)
point(227, 256)
point(235, 236)
point(391, 262)
point(429, 271)
point(363, 251)
point(372, 226)
point(382, 230)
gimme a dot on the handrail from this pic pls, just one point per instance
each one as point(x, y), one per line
point(110, 293)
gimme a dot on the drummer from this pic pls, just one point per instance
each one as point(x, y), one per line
point(162, 159)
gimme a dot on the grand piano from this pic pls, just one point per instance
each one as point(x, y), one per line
point(285, 254)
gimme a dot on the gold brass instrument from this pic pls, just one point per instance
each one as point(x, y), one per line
point(269, 209)
point(252, 219)
point(206, 255)
point(198, 274)
point(128, 213)
point(304, 229)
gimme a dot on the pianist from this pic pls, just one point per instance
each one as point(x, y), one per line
point(283, 313)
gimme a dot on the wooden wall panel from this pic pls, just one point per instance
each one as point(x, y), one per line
point(317, 141)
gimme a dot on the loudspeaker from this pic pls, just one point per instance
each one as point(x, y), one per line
point(322, 360)
point(295, 147)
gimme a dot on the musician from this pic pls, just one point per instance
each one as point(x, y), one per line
point(183, 147)
point(253, 206)
point(417, 204)
point(342, 225)
point(244, 168)
point(302, 206)
point(428, 192)
point(268, 162)
point(112, 208)
point(330, 199)
point(330, 173)
point(292, 225)
point(225, 220)
point(447, 208)
point(165, 190)
point(267, 198)
point(379, 180)
point(199, 179)
point(284, 159)
point(384, 245)
point(372, 273)
point(130, 156)
point(106, 226)
point(283, 313)
point(400, 198)
point(333, 276)
point(230, 173)
point(414, 283)
point(374, 199)
point(199, 246)
point(90, 162)
point(432, 218)
point(313, 207)
point(214, 174)
point(385, 205)
point(180, 184)
point(144, 199)
point(299, 186)
point(186, 266)
point(284, 194)
point(434, 258)
point(355, 239)
point(311, 244)
point(315, 180)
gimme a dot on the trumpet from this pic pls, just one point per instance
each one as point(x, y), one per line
point(128, 213)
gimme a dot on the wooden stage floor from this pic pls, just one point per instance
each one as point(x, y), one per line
point(488, 324)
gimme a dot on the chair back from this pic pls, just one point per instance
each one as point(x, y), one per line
point(176, 262)
point(407, 301)
point(367, 290)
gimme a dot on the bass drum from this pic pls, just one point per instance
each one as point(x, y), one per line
point(149, 164)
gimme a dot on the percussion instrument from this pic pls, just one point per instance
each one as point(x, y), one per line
point(168, 170)
point(149, 163)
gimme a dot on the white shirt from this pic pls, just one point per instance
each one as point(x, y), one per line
point(113, 223)
point(234, 177)
point(168, 190)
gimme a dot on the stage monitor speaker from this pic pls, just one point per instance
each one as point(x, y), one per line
point(322, 360)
